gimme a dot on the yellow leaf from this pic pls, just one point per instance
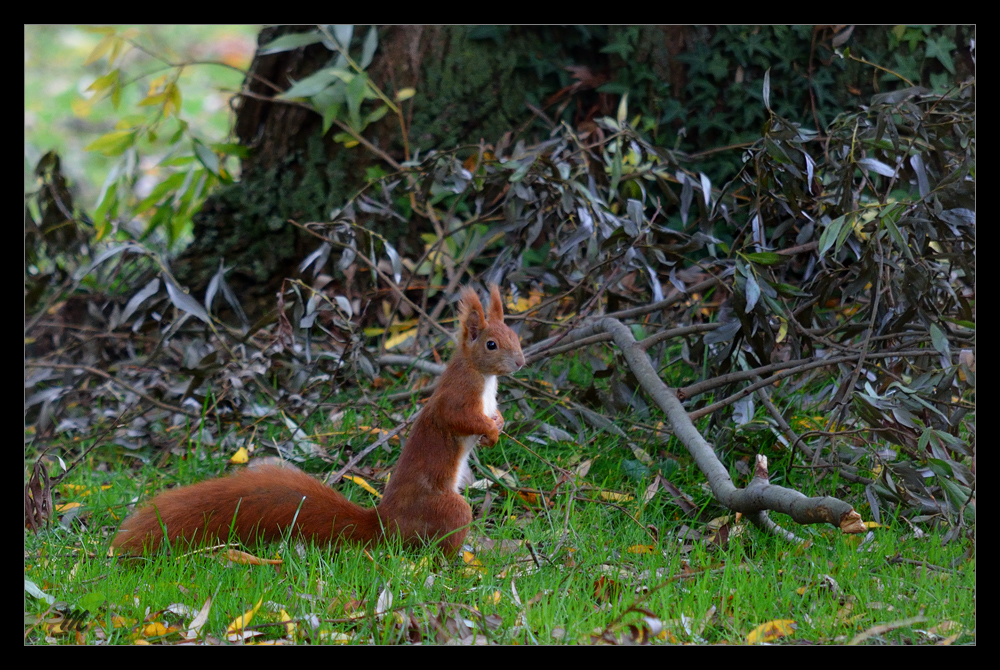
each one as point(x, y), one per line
point(241, 456)
point(520, 305)
point(641, 549)
point(473, 566)
point(173, 101)
point(153, 100)
point(289, 626)
point(156, 85)
point(102, 48)
point(103, 229)
point(116, 49)
point(717, 523)
point(113, 143)
point(65, 507)
point(615, 497)
point(363, 484)
point(154, 629)
point(244, 619)
point(400, 339)
point(771, 631)
point(782, 329)
point(81, 107)
point(377, 432)
point(81, 490)
point(107, 81)
point(405, 94)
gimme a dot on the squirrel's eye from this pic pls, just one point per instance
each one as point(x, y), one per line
point(491, 345)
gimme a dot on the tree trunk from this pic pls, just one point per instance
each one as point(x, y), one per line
point(472, 83)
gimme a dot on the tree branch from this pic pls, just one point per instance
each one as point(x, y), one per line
point(759, 495)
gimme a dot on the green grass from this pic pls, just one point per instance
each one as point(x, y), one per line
point(586, 579)
point(831, 590)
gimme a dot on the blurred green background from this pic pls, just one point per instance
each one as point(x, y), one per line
point(61, 114)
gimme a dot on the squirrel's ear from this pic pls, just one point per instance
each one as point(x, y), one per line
point(470, 315)
point(496, 304)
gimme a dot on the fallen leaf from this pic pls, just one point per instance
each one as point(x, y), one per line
point(242, 621)
point(771, 631)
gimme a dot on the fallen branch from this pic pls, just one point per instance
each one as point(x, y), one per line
point(759, 496)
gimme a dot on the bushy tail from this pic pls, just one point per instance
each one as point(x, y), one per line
point(254, 505)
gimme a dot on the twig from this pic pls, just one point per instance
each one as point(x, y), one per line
point(894, 560)
point(885, 628)
point(335, 477)
point(697, 414)
point(849, 473)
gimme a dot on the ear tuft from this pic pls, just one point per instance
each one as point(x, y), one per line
point(496, 305)
point(471, 318)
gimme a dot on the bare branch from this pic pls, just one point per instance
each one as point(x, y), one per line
point(760, 495)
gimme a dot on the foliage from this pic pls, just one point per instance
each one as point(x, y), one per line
point(150, 136)
point(338, 92)
point(708, 94)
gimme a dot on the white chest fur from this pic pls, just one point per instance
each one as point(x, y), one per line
point(464, 475)
point(490, 395)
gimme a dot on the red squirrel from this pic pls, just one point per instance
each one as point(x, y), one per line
point(423, 500)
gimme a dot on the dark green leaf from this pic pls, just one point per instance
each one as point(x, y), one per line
point(314, 83)
point(830, 234)
point(207, 158)
point(766, 258)
point(289, 42)
point(940, 340)
point(635, 469)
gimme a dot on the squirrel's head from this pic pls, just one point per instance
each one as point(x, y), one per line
point(484, 338)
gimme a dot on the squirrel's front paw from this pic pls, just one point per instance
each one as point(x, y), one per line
point(491, 438)
point(498, 420)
